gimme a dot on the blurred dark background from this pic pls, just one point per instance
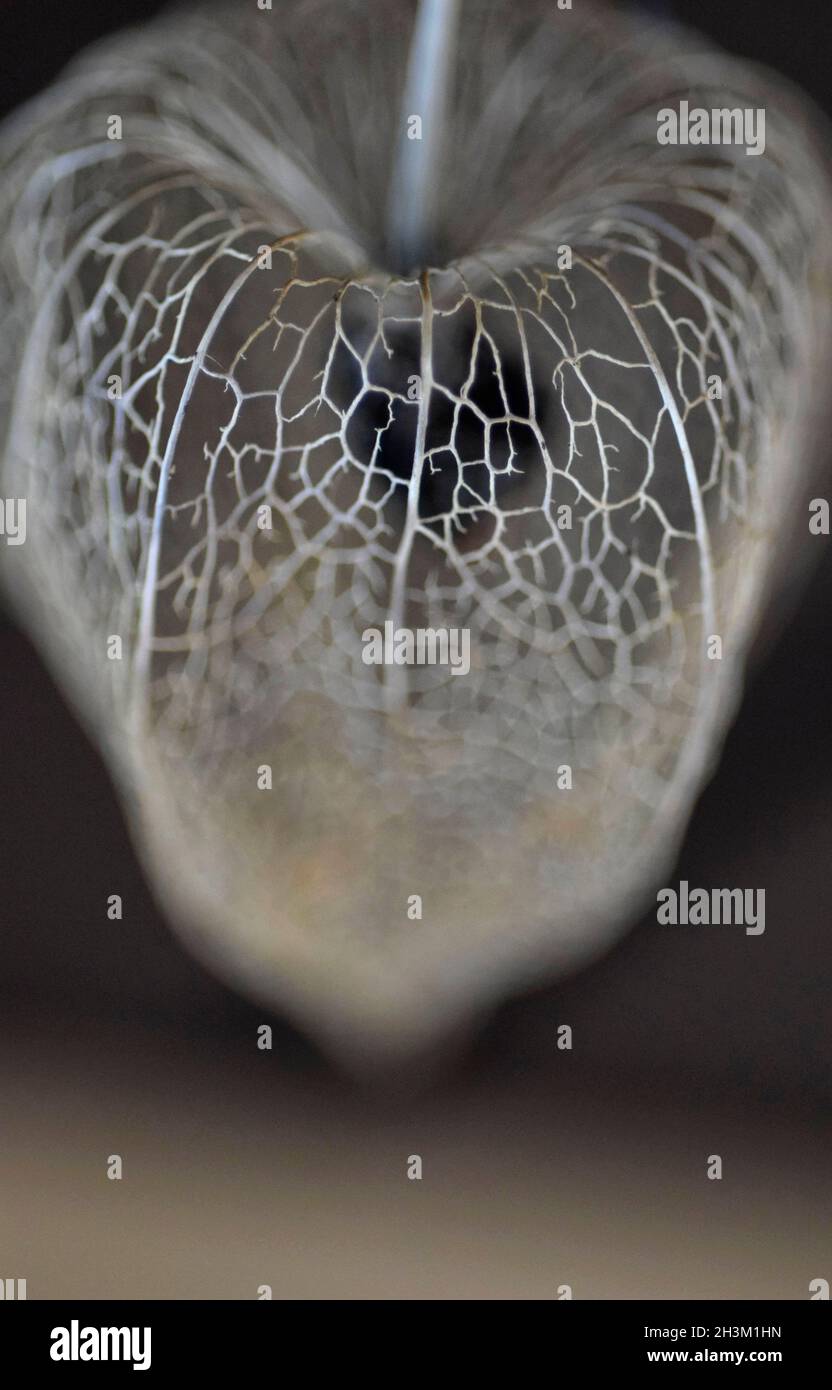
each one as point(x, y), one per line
point(541, 1166)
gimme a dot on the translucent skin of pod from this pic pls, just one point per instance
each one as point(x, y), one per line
point(244, 441)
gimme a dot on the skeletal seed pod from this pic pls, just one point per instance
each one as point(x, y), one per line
point(619, 345)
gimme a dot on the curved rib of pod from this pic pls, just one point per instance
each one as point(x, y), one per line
point(573, 444)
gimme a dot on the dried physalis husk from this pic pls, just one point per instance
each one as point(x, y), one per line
point(405, 476)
